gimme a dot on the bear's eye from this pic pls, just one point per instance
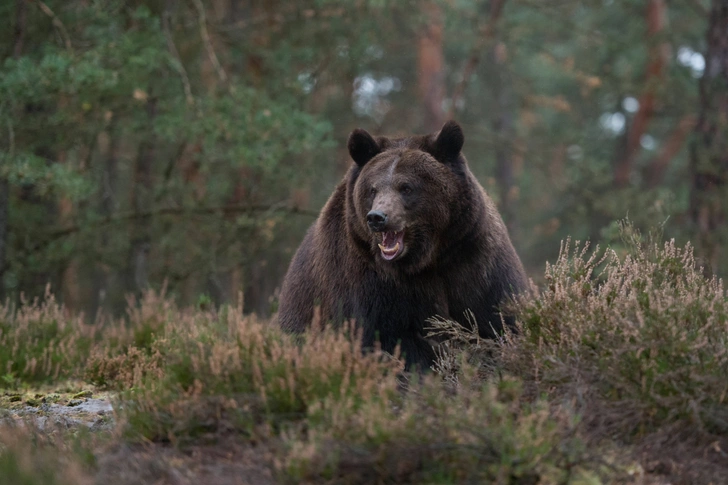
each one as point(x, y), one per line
point(372, 191)
point(406, 189)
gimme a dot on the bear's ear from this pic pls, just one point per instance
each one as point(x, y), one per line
point(362, 146)
point(449, 141)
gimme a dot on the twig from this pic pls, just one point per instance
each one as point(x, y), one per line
point(178, 64)
point(57, 22)
point(208, 43)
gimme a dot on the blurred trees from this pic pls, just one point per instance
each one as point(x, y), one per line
point(709, 160)
point(193, 142)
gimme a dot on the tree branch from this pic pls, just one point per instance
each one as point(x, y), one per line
point(658, 166)
point(487, 33)
point(208, 43)
point(169, 211)
point(57, 22)
point(175, 54)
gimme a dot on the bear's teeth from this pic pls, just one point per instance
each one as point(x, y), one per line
point(388, 250)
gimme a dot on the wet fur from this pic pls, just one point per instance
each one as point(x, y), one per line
point(459, 255)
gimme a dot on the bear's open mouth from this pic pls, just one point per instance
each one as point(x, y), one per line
point(392, 244)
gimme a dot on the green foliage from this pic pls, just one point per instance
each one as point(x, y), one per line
point(226, 371)
point(480, 433)
point(200, 134)
point(39, 343)
point(77, 123)
point(644, 332)
point(209, 372)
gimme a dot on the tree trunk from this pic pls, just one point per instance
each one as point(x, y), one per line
point(108, 144)
point(709, 154)
point(486, 35)
point(19, 28)
point(18, 42)
point(504, 135)
point(70, 277)
point(654, 76)
point(4, 202)
point(138, 263)
point(431, 64)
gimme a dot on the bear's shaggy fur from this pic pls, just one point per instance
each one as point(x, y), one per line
point(407, 235)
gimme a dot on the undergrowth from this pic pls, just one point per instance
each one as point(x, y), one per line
point(31, 457)
point(614, 348)
point(639, 341)
point(39, 342)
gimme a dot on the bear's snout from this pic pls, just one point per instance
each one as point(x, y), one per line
point(377, 220)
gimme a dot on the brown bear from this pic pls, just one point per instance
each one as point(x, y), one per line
point(409, 234)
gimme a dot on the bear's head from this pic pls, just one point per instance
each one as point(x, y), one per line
point(404, 194)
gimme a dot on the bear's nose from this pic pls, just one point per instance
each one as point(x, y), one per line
point(376, 220)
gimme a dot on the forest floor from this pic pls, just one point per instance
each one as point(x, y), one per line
point(70, 405)
point(74, 407)
point(71, 409)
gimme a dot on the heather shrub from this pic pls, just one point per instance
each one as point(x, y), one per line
point(129, 349)
point(339, 412)
point(638, 341)
point(478, 432)
point(40, 343)
point(212, 371)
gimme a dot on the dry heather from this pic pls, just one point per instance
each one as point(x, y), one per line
point(335, 412)
point(39, 342)
point(619, 361)
point(637, 342)
point(330, 411)
point(634, 343)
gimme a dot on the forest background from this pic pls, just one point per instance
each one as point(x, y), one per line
point(188, 144)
